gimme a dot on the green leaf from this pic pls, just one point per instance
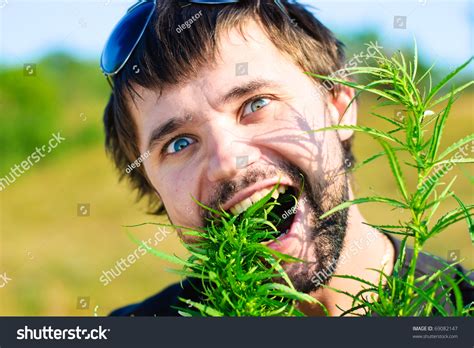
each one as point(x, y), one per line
point(427, 72)
point(449, 218)
point(425, 296)
point(371, 131)
point(454, 161)
point(203, 308)
point(415, 60)
point(355, 86)
point(454, 92)
point(445, 80)
point(386, 229)
point(283, 290)
point(164, 256)
point(457, 295)
point(437, 131)
point(205, 207)
point(441, 197)
point(456, 145)
point(396, 123)
point(469, 219)
point(400, 261)
point(395, 166)
point(261, 202)
point(373, 199)
point(161, 224)
point(373, 157)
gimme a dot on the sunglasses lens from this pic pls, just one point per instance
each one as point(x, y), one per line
point(125, 37)
point(212, 2)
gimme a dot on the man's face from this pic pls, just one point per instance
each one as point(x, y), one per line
point(231, 132)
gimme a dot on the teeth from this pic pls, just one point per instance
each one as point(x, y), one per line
point(262, 193)
point(240, 207)
point(257, 196)
point(246, 203)
point(275, 194)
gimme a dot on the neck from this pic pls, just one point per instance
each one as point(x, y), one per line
point(364, 249)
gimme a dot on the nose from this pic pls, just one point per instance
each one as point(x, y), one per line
point(228, 154)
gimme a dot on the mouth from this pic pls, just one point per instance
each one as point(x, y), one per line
point(283, 213)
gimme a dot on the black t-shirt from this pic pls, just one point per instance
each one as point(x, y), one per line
point(162, 303)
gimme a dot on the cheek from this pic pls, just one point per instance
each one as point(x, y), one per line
point(299, 141)
point(315, 153)
point(296, 123)
point(294, 142)
point(175, 189)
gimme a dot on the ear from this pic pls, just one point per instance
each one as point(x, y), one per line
point(337, 105)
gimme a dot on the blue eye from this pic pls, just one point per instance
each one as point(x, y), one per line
point(255, 105)
point(179, 144)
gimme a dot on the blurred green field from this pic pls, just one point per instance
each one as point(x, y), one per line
point(53, 256)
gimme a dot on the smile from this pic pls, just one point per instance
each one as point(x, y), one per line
point(247, 202)
point(283, 213)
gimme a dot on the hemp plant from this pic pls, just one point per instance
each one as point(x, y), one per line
point(397, 82)
point(237, 273)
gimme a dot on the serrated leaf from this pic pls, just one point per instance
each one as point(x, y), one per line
point(396, 170)
point(371, 131)
point(437, 131)
point(373, 199)
point(456, 145)
point(470, 223)
point(446, 79)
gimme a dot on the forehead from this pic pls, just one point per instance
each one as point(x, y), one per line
point(241, 56)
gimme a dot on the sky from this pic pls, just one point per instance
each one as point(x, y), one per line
point(32, 29)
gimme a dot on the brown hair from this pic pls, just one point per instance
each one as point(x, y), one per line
point(166, 57)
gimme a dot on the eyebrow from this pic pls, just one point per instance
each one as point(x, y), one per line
point(165, 129)
point(235, 93)
point(246, 89)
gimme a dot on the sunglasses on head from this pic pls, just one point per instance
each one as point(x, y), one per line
point(129, 30)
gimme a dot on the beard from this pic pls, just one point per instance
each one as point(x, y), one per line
point(326, 236)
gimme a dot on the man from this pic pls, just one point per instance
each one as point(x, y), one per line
point(224, 109)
